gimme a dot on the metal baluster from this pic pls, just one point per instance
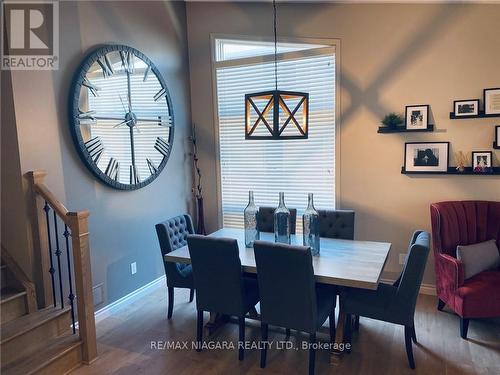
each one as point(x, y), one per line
point(58, 255)
point(71, 295)
point(46, 208)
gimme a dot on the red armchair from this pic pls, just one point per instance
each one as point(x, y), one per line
point(465, 223)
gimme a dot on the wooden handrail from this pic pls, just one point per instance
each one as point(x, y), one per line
point(77, 223)
point(22, 278)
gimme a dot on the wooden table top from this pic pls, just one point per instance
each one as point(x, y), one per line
point(356, 264)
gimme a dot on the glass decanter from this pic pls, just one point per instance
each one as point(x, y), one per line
point(250, 219)
point(310, 227)
point(282, 222)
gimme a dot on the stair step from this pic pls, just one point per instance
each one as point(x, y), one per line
point(28, 331)
point(56, 356)
point(12, 304)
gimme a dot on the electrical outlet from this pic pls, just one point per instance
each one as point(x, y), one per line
point(402, 258)
point(133, 268)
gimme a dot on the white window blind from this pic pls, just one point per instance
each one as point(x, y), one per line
point(296, 167)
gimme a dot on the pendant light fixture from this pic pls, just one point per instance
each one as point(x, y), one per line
point(276, 114)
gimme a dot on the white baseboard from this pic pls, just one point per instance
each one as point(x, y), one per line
point(137, 294)
point(427, 289)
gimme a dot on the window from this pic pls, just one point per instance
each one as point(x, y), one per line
point(296, 167)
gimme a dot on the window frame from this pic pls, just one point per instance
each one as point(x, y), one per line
point(331, 43)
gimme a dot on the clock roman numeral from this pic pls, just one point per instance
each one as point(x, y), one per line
point(95, 148)
point(162, 146)
point(167, 122)
point(92, 88)
point(160, 94)
point(134, 175)
point(105, 64)
point(86, 117)
point(113, 169)
point(146, 73)
point(127, 61)
point(152, 167)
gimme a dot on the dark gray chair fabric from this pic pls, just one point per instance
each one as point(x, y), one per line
point(289, 295)
point(265, 220)
point(336, 224)
point(219, 281)
point(394, 303)
point(172, 234)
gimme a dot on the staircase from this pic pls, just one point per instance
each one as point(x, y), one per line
point(37, 318)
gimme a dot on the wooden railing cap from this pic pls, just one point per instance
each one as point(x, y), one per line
point(37, 176)
point(79, 214)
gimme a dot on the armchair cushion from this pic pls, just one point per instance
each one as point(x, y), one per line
point(479, 257)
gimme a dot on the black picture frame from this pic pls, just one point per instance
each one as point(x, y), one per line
point(440, 168)
point(73, 113)
point(457, 113)
point(487, 110)
point(487, 168)
point(496, 143)
point(425, 120)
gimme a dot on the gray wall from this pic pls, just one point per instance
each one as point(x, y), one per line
point(392, 55)
point(121, 223)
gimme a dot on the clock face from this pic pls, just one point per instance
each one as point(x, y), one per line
point(121, 117)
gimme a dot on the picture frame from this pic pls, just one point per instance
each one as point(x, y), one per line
point(482, 161)
point(491, 100)
point(496, 143)
point(466, 107)
point(417, 117)
point(426, 157)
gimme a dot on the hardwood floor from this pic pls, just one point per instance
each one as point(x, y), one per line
point(125, 344)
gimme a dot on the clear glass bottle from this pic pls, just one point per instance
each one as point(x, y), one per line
point(282, 222)
point(250, 219)
point(310, 226)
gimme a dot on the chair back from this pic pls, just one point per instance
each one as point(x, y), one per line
point(336, 224)
point(172, 234)
point(217, 274)
point(286, 285)
point(464, 223)
point(413, 272)
point(265, 220)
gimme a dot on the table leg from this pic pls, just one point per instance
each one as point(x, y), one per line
point(336, 353)
point(214, 323)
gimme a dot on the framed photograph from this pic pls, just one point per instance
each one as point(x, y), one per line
point(482, 161)
point(492, 101)
point(417, 116)
point(426, 157)
point(463, 108)
point(496, 144)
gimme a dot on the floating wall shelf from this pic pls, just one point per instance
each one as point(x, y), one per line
point(402, 129)
point(480, 115)
point(452, 170)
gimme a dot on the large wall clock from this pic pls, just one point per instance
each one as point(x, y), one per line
point(121, 117)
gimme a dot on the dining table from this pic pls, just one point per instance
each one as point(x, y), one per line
point(344, 263)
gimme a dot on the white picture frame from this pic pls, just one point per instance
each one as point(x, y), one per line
point(417, 117)
point(492, 101)
point(426, 157)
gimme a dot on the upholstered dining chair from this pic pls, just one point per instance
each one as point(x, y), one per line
point(393, 303)
point(336, 224)
point(289, 295)
point(265, 220)
point(172, 235)
point(220, 284)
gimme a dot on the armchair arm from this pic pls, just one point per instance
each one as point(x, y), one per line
point(449, 273)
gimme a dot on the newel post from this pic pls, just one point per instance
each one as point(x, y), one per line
point(78, 223)
point(40, 256)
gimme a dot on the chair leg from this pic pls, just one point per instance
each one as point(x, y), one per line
point(348, 331)
point(413, 335)
point(170, 302)
point(263, 350)
point(241, 343)
point(312, 353)
point(464, 327)
point(356, 323)
point(199, 330)
point(331, 323)
point(440, 305)
point(409, 349)
point(191, 295)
